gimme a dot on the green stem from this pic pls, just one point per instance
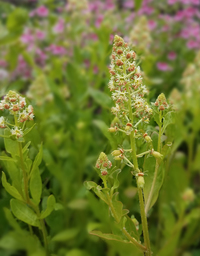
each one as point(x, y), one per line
point(134, 241)
point(135, 162)
point(148, 202)
point(24, 173)
point(144, 223)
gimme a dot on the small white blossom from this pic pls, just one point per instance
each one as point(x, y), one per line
point(17, 132)
point(2, 122)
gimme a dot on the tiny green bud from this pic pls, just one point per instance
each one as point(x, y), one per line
point(188, 195)
point(156, 154)
point(116, 153)
point(112, 129)
point(140, 181)
point(118, 158)
point(148, 139)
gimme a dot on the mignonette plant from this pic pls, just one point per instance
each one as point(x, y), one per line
point(24, 173)
point(144, 146)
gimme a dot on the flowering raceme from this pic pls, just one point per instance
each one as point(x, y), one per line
point(16, 105)
point(126, 79)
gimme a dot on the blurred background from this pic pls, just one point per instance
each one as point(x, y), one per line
point(57, 54)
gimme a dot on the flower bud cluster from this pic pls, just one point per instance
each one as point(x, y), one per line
point(191, 78)
point(140, 36)
point(126, 84)
point(161, 102)
point(40, 91)
point(103, 164)
point(16, 105)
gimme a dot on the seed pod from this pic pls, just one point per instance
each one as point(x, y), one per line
point(156, 154)
point(112, 129)
point(140, 182)
point(148, 139)
point(116, 153)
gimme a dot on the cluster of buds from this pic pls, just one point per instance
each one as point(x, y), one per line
point(103, 164)
point(161, 102)
point(126, 84)
point(40, 91)
point(140, 36)
point(17, 106)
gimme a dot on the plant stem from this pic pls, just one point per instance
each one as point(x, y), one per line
point(141, 199)
point(148, 202)
point(24, 173)
point(133, 240)
point(144, 223)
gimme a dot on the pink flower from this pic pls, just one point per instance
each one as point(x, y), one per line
point(152, 24)
point(56, 49)
point(128, 4)
point(192, 44)
point(195, 2)
point(171, 55)
point(59, 26)
point(163, 66)
point(3, 63)
point(99, 20)
point(27, 37)
point(40, 34)
point(42, 11)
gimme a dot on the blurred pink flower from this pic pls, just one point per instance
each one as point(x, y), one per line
point(191, 44)
point(56, 49)
point(179, 16)
point(111, 38)
point(59, 26)
point(3, 63)
point(171, 55)
point(163, 66)
point(40, 34)
point(195, 2)
point(99, 20)
point(95, 69)
point(42, 11)
point(152, 24)
point(27, 37)
point(128, 4)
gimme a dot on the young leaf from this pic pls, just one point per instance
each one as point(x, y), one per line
point(49, 208)
point(38, 160)
point(101, 98)
point(36, 185)
point(7, 158)
point(97, 190)
point(168, 119)
point(10, 189)
point(66, 235)
point(26, 147)
point(24, 213)
point(152, 185)
point(117, 209)
point(28, 130)
point(12, 221)
point(11, 145)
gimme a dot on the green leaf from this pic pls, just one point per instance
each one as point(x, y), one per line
point(97, 190)
point(104, 129)
point(117, 210)
point(168, 119)
point(11, 145)
point(38, 159)
point(24, 213)
point(28, 129)
point(152, 188)
point(7, 158)
point(66, 235)
point(26, 147)
point(108, 236)
point(49, 208)
point(114, 176)
point(101, 98)
point(11, 219)
point(17, 19)
point(137, 4)
point(36, 185)
point(10, 189)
